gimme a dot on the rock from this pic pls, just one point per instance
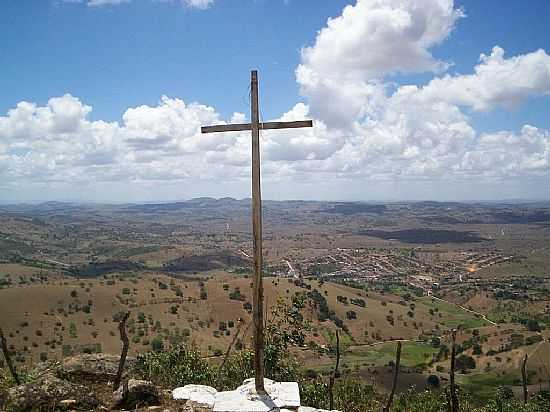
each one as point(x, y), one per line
point(47, 367)
point(93, 367)
point(280, 395)
point(47, 390)
point(235, 401)
point(154, 408)
point(197, 396)
point(135, 393)
point(283, 394)
point(67, 403)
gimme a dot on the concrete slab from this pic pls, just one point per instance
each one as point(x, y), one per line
point(280, 395)
point(236, 401)
point(201, 395)
point(283, 394)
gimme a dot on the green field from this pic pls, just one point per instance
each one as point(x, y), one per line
point(413, 354)
point(10, 246)
point(483, 384)
point(137, 251)
point(453, 316)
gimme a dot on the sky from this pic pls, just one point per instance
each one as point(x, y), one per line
point(102, 100)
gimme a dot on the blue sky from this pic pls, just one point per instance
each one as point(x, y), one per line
point(115, 57)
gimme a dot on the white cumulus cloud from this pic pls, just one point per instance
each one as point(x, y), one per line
point(369, 40)
point(198, 4)
point(366, 128)
point(94, 3)
point(496, 81)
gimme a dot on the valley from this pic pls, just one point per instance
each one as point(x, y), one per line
point(377, 273)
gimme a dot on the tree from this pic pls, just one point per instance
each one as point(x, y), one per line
point(286, 328)
point(476, 349)
point(72, 330)
point(351, 314)
point(157, 344)
point(464, 362)
point(433, 380)
point(533, 326)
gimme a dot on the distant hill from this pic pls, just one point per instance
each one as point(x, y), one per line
point(354, 208)
point(425, 236)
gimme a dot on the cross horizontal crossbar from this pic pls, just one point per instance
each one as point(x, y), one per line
point(238, 127)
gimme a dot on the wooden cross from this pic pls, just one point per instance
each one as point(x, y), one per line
point(255, 126)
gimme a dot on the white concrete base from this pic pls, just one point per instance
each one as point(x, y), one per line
point(280, 397)
point(200, 395)
point(235, 401)
point(283, 394)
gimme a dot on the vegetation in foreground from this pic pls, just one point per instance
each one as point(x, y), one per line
point(183, 364)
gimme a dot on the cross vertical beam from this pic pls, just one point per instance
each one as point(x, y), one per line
point(258, 298)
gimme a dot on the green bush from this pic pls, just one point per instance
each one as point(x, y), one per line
point(355, 395)
point(157, 344)
point(179, 366)
point(314, 393)
point(350, 395)
point(237, 368)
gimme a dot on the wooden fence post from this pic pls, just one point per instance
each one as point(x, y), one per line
point(395, 374)
point(6, 352)
point(524, 377)
point(454, 396)
point(235, 337)
point(124, 353)
point(335, 372)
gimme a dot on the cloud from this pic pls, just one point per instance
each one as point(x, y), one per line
point(370, 40)
point(94, 3)
point(506, 154)
point(422, 132)
point(57, 143)
point(409, 131)
point(366, 127)
point(196, 4)
point(496, 81)
point(54, 142)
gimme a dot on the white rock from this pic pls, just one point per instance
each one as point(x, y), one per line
point(201, 395)
point(283, 394)
point(280, 395)
point(236, 401)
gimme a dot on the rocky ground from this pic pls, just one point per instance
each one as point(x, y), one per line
point(84, 383)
